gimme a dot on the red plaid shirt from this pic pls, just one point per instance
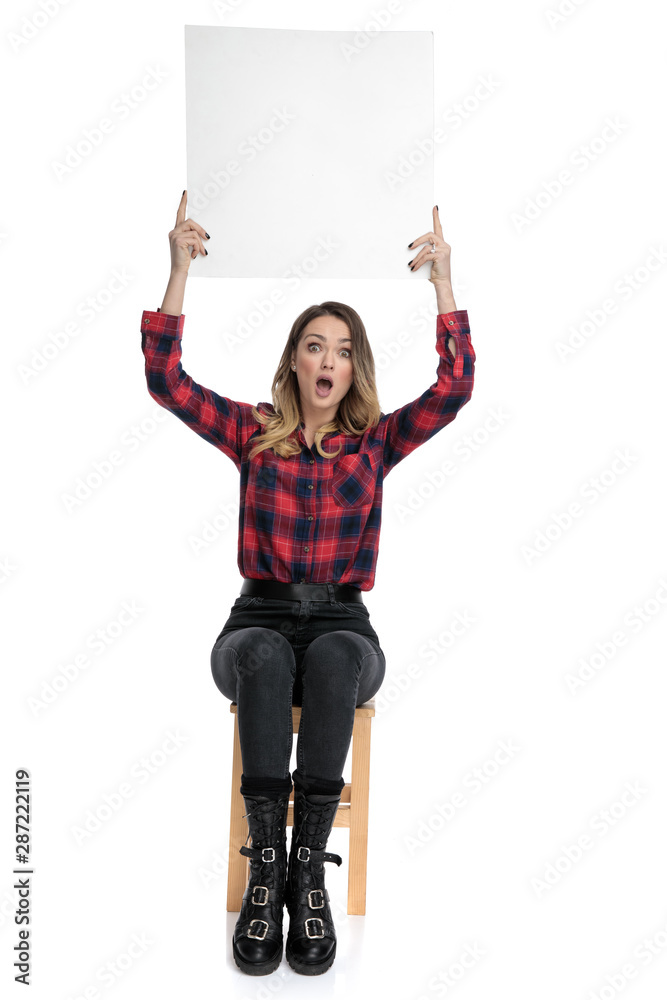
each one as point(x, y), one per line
point(308, 519)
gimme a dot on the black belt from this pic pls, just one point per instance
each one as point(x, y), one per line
point(302, 591)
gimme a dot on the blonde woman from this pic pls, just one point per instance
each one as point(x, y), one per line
point(312, 465)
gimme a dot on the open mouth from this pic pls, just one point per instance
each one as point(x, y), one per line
point(323, 386)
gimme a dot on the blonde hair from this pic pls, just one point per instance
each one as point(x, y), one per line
point(358, 410)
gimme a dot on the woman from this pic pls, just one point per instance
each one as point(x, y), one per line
point(312, 465)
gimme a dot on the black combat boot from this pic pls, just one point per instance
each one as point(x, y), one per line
point(257, 943)
point(311, 939)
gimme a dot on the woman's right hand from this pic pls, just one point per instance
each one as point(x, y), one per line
point(185, 239)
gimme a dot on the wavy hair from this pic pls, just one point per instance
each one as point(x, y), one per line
point(358, 410)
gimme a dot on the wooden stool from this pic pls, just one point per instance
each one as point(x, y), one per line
point(352, 812)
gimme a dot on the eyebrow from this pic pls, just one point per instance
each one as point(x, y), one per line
point(341, 340)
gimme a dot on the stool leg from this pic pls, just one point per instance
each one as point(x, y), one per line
point(361, 761)
point(237, 867)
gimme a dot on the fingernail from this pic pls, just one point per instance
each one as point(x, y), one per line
point(437, 209)
point(410, 245)
point(207, 236)
point(183, 192)
point(410, 262)
point(206, 251)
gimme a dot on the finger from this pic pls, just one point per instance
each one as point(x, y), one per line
point(426, 238)
point(437, 228)
point(198, 246)
point(423, 257)
point(180, 214)
point(199, 229)
point(189, 238)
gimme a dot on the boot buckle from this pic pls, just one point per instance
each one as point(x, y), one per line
point(315, 921)
point(264, 894)
point(273, 854)
point(305, 857)
point(259, 934)
point(320, 895)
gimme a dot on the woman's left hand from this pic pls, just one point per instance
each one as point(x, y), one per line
point(440, 269)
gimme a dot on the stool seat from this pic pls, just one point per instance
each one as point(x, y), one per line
point(352, 812)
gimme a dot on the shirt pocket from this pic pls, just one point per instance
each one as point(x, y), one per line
point(353, 481)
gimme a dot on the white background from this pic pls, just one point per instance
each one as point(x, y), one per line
point(520, 100)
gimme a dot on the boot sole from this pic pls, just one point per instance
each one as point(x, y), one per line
point(307, 969)
point(259, 968)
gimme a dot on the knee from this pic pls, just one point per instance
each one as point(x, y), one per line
point(339, 650)
point(255, 651)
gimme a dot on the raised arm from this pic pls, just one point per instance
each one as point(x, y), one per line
point(411, 425)
point(221, 421)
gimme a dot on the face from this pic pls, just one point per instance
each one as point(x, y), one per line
point(324, 350)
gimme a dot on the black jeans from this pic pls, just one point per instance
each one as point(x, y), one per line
point(322, 655)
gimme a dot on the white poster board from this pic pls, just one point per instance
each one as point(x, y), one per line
point(310, 145)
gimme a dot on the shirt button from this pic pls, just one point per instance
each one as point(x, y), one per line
point(310, 517)
point(307, 548)
point(303, 579)
point(147, 320)
point(451, 322)
point(312, 461)
point(310, 486)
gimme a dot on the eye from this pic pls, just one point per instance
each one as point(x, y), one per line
point(314, 343)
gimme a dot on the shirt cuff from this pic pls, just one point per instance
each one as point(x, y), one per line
point(455, 321)
point(163, 324)
point(455, 324)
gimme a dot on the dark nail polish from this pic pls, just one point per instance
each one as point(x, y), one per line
point(410, 262)
point(410, 245)
point(207, 236)
point(184, 190)
point(437, 209)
